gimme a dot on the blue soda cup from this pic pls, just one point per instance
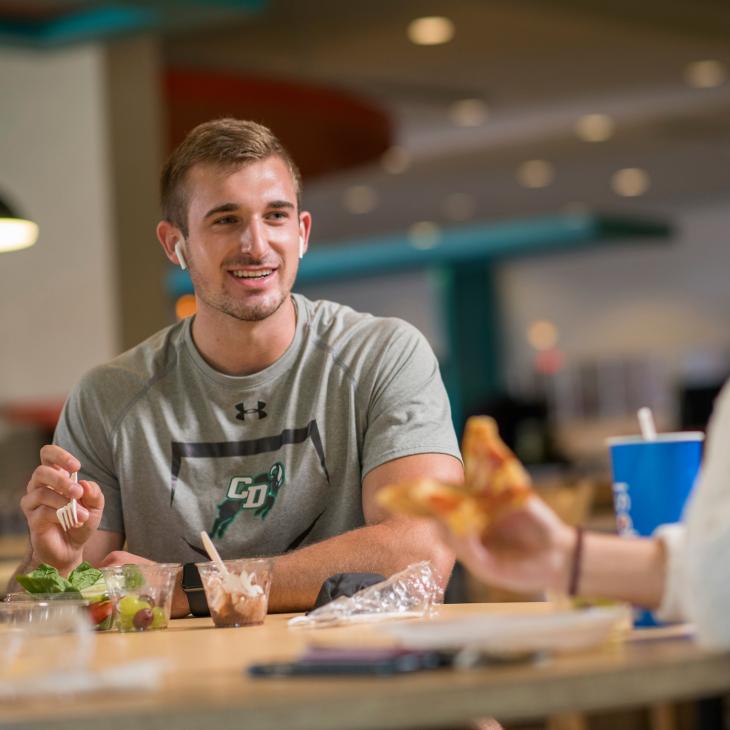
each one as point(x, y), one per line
point(651, 483)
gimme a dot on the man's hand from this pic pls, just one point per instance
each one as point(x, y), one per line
point(180, 606)
point(122, 557)
point(528, 549)
point(49, 488)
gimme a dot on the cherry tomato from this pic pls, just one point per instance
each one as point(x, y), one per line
point(100, 611)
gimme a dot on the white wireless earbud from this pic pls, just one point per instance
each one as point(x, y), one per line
point(180, 256)
point(301, 247)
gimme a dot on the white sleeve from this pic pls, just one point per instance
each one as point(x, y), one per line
point(673, 605)
point(707, 555)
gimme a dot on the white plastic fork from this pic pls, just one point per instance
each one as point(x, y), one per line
point(68, 514)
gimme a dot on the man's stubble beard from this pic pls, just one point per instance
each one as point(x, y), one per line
point(244, 312)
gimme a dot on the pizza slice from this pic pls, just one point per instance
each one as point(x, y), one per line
point(453, 504)
point(494, 482)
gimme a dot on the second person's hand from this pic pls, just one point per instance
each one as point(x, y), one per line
point(529, 549)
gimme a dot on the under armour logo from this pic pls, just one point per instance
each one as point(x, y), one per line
point(242, 410)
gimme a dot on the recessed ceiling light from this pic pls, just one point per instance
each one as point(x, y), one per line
point(705, 74)
point(595, 127)
point(535, 173)
point(468, 112)
point(459, 206)
point(630, 182)
point(396, 160)
point(424, 234)
point(360, 199)
point(430, 31)
point(542, 335)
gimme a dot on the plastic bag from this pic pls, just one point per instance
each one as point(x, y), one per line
point(414, 592)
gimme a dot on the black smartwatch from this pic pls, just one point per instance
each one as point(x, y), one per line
point(193, 587)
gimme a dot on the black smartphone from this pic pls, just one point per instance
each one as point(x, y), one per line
point(348, 662)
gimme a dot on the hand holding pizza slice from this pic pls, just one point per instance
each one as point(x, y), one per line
point(495, 482)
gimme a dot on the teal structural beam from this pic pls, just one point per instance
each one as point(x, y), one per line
point(100, 21)
point(467, 244)
point(472, 372)
point(84, 25)
point(461, 245)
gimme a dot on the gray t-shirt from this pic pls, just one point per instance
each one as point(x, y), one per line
point(266, 462)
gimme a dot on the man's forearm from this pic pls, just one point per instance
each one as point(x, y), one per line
point(383, 548)
point(631, 570)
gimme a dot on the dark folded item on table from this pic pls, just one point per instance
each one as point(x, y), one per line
point(354, 661)
point(345, 584)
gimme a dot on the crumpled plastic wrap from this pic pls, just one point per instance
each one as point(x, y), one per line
point(412, 593)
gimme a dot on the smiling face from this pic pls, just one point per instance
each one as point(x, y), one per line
point(244, 237)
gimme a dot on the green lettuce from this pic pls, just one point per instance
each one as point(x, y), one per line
point(84, 576)
point(46, 579)
point(133, 577)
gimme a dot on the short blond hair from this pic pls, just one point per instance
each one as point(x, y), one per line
point(227, 143)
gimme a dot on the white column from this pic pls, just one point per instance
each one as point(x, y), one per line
point(57, 299)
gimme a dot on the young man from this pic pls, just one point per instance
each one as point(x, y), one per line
point(267, 419)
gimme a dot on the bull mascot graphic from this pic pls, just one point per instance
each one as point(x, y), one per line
point(256, 493)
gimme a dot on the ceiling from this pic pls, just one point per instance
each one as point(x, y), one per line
point(537, 64)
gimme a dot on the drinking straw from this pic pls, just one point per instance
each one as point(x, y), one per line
point(646, 424)
point(213, 553)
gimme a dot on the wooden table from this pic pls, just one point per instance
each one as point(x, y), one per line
point(206, 687)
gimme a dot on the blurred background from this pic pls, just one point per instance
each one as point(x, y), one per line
point(539, 185)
